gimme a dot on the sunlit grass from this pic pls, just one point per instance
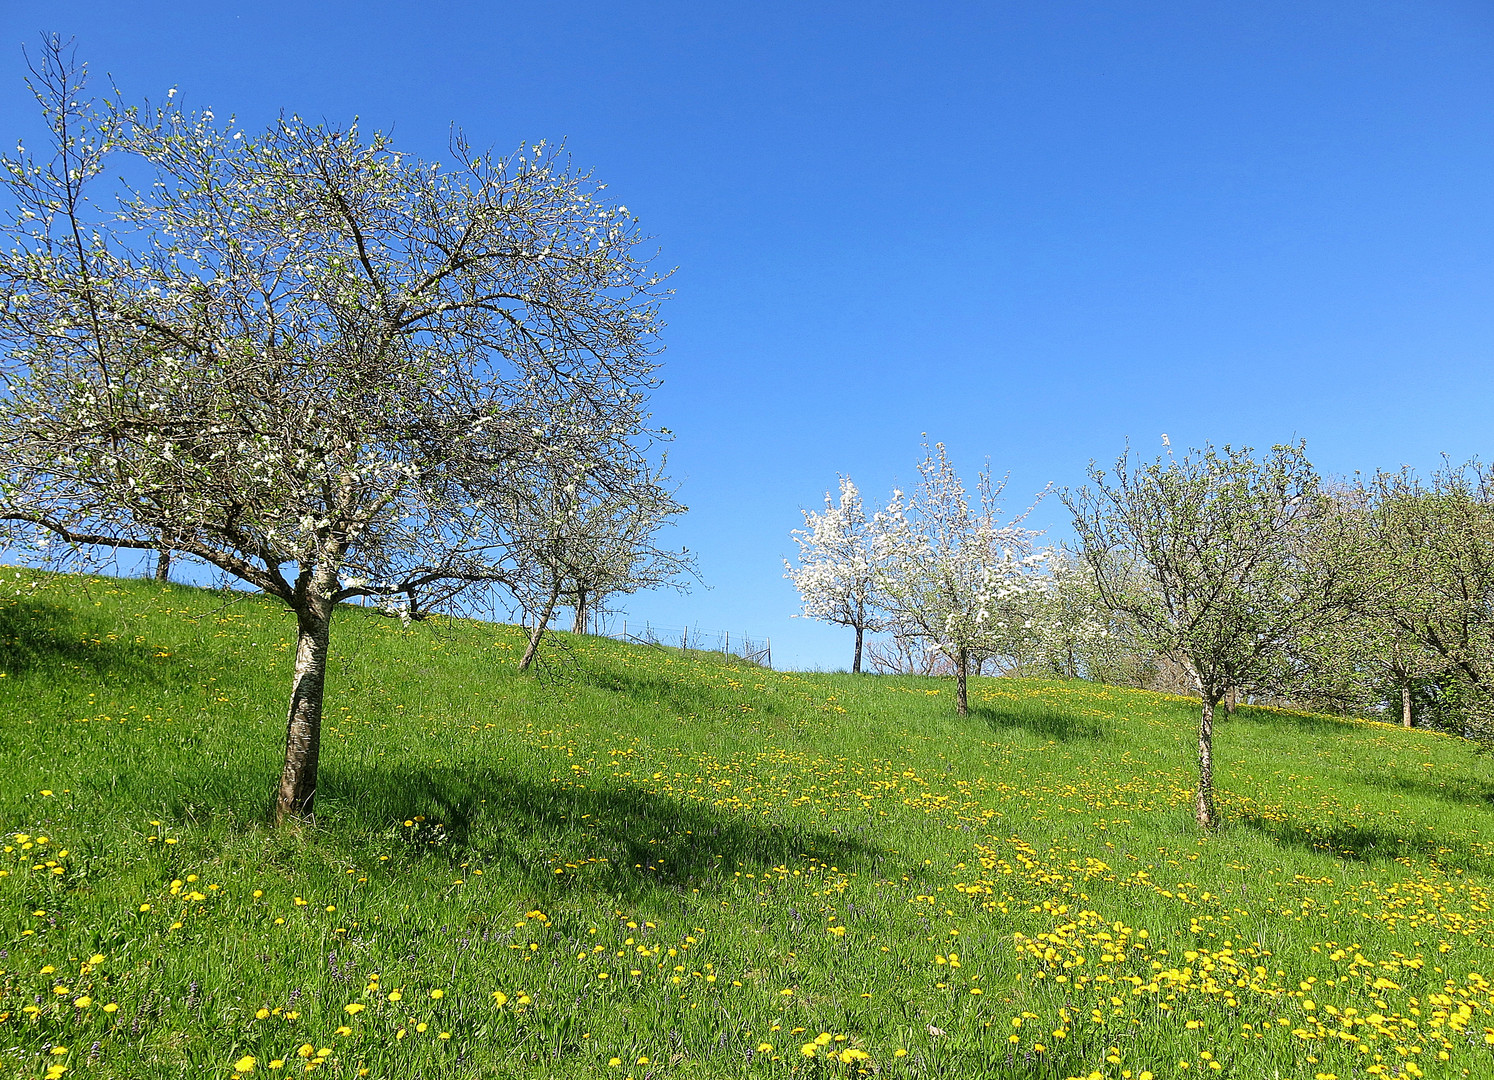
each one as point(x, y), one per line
point(656, 863)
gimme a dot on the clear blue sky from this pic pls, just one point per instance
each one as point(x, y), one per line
point(1031, 230)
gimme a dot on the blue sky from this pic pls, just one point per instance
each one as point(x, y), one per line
point(1030, 230)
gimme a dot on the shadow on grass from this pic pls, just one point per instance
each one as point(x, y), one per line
point(637, 841)
point(680, 695)
point(1039, 720)
point(37, 635)
point(1459, 790)
point(1314, 723)
point(1362, 843)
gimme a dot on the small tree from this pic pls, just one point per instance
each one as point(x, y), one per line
point(1209, 555)
point(322, 366)
point(946, 566)
point(1078, 635)
point(583, 544)
point(620, 554)
point(1368, 662)
point(838, 567)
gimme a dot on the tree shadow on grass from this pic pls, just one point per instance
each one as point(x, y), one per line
point(1459, 790)
point(625, 841)
point(681, 695)
point(39, 636)
point(1314, 723)
point(1039, 720)
point(1362, 843)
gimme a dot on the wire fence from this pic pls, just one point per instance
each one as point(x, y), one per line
point(757, 651)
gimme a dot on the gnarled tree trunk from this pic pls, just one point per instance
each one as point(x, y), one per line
point(1203, 803)
point(303, 733)
point(163, 564)
point(580, 625)
point(539, 628)
point(1406, 704)
point(962, 702)
point(856, 663)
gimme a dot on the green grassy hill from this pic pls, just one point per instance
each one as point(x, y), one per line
point(653, 863)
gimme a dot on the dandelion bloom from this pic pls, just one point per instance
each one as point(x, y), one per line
point(245, 1064)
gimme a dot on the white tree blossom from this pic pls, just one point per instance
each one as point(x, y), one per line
point(952, 573)
point(839, 567)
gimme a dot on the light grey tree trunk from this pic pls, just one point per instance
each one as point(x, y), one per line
point(580, 625)
point(1406, 704)
point(539, 628)
point(856, 663)
point(296, 795)
point(1203, 804)
point(962, 702)
point(163, 564)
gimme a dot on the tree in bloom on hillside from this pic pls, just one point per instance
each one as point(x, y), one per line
point(951, 574)
point(329, 369)
point(838, 566)
point(1215, 557)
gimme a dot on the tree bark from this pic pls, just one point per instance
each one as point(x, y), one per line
point(303, 733)
point(1203, 805)
point(580, 625)
point(856, 663)
point(163, 564)
point(962, 703)
point(539, 628)
point(1406, 704)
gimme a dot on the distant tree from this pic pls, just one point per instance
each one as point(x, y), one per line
point(899, 654)
point(583, 543)
point(1077, 634)
point(318, 364)
point(1428, 554)
point(837, 574)
point(1221, 541)
point(621, 554)
point(1366, 663)
point(947, 568)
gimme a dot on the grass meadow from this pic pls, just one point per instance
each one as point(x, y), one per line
point(660, 864)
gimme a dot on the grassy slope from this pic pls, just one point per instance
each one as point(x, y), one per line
point(672, 862)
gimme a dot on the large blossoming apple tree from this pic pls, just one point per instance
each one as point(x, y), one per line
point(325, 367)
